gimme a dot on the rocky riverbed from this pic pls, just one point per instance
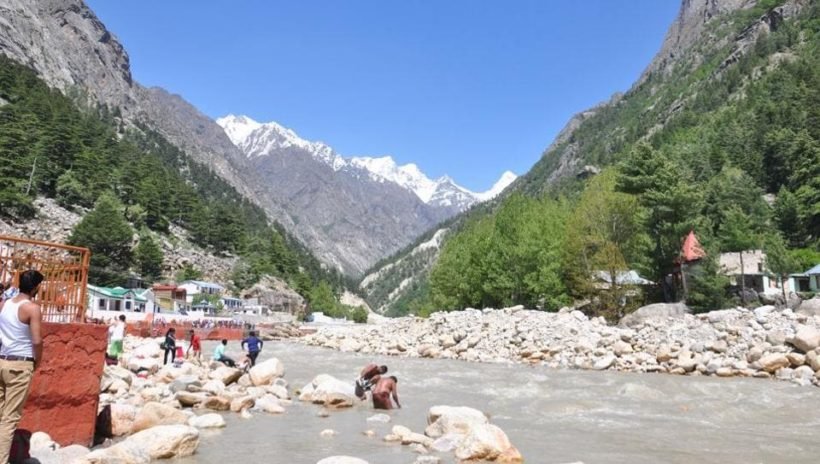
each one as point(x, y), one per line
point(765, 342)
point(150, 411)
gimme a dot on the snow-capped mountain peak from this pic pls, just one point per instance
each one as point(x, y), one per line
point(408, 176)
point(238, 128)
point(260, 139)
point(502, 183)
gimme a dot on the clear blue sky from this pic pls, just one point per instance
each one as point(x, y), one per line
point(462, 87)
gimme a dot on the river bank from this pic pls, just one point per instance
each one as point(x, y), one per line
point(149, 410)
point(765, 342)
point(552, 416)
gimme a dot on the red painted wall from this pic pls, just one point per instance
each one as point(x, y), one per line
point(218, 333)
point(65, 391)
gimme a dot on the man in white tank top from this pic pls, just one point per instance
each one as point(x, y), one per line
point(20, 354)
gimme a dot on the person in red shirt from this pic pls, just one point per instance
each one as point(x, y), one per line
point(196, 345)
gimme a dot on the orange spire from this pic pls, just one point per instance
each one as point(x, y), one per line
point(691, 250)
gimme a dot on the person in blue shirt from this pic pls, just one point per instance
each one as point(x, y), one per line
point(254, 346)
point(219, 354)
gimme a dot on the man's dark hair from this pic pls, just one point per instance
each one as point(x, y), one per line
point(394, 378)
point(252, 334)
point(224, 341)
point(122, 317)
point(29, 280)
point(383, 369)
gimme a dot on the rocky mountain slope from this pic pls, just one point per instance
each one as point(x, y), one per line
point(703, 49)
point(350, 215)
point(352, 212)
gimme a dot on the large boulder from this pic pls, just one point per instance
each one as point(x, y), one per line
point(774, 361)
point(67, 455)
point(207, 421)
point(487, 442)
point(266, 372)
point(139, 363)
point(154, 414)
point(181, 383)
point(227, 375)
point(654, 311)
point(443, 420)
point(806, 339)
point(269, 404)
point(161, 442)
point(217, 403)
point(189, 400)
point(342, 460)
point(277, 295)
point(147, 349)
point(329, 391)
point(122, 419)
point(117, 372)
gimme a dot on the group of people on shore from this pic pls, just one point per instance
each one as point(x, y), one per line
point(381, 387)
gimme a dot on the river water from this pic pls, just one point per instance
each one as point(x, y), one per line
point(552, 416)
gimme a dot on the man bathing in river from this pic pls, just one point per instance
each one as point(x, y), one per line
point(369, 376)
point(384, 389)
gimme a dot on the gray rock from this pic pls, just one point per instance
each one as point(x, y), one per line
point(810, 307)
point(806, 339)
point(654, 311)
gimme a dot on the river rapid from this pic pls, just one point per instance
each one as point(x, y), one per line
point(552, 416)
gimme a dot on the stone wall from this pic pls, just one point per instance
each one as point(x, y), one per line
point(66, 387)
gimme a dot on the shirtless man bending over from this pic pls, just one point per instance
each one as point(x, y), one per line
point(384, 389)
point(369, 376)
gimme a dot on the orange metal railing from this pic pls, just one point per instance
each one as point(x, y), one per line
point(62, 294)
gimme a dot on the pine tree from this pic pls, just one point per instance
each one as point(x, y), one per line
point(108, 235)
point(148, 257)
point(737, 234)
point(779, 261)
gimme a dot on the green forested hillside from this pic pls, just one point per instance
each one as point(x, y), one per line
point(693, 149)
point(138, 182)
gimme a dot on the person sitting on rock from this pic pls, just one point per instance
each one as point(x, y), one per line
point(219, 354)
point(384, 389)
point(369, 376)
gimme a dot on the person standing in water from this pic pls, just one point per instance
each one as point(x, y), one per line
point(384, 389)
point(254, 347)
point(170, 345)
point(20, 354)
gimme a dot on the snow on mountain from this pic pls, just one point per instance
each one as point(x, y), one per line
point(408, 176)
point(502, 183)
point(443, 191)
point(259, 139)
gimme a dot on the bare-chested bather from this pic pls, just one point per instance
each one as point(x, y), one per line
point(383, 390)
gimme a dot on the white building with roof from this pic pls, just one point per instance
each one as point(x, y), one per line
point(197, 287)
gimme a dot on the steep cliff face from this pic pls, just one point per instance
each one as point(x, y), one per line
point(688, 28)
point(69, 47)
point(699, 33)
